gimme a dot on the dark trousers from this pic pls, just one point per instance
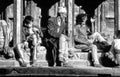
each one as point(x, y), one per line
point(53, 51)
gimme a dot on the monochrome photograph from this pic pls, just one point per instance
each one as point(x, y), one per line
point(74, 38)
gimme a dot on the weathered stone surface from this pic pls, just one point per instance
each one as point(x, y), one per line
point(75, 63)
point(41, 63)
point(9, 63)
point(41, 56)
point(78, 56)
point(82, 55)
point(80, 59)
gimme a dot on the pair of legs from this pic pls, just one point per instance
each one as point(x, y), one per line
point(63, 50)
point(30, 46)
point(95, 37)
point(52, 45)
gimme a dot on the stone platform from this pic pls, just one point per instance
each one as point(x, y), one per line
point(81, 59)
point(60, 71)
point(9, 63)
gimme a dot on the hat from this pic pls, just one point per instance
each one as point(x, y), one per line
point(62, 10)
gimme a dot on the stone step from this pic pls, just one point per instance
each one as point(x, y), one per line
point(77, 63)
point(41, 63)
point(41, 56)
point(81, 59)
point(9, 63)
point(83, 56)
point(14, 63)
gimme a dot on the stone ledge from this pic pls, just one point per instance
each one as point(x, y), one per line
point(83, 56)
point(9, 63)
point(41, 63)
point(41, 56)
point(75, 63)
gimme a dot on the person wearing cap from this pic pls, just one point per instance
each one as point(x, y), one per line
point(85, 40)
point(56, 27)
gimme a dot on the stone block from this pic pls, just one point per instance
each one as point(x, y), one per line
point(41, 63)
point(75, 63)
point(81, 59)
point(41, 56)
point(9, 63)
point(83, 55)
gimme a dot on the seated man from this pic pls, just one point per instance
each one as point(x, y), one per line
point(31, 39)
point(85, 42)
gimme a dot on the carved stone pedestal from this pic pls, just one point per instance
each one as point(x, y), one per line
point(41, 57)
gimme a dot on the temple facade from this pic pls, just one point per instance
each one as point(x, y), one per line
point(105, 12)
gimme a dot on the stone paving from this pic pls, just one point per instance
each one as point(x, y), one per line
point(60, 71)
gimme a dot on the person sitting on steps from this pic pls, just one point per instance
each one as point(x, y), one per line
point(84, 41)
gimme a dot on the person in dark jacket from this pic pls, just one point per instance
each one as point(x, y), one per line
point(56, 27)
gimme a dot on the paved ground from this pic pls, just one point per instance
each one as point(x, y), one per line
point(59, 71)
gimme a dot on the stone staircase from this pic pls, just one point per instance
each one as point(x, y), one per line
point(81, 59)
point(12, 62)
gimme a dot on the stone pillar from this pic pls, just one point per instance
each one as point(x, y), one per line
point(103, 23)
point(96, 21)
point(70, 8)
point(98, 18)
point(17, 21)
point(117, 16)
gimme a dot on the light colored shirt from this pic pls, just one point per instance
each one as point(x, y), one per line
point(80, 34)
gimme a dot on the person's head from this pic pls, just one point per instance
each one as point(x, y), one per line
point(81, 18)
point(62, 11)
point(28, 21)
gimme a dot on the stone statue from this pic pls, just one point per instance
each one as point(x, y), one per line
point(5, 39)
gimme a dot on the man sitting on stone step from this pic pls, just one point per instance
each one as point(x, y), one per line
point(84, 40)
point(30, 41)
